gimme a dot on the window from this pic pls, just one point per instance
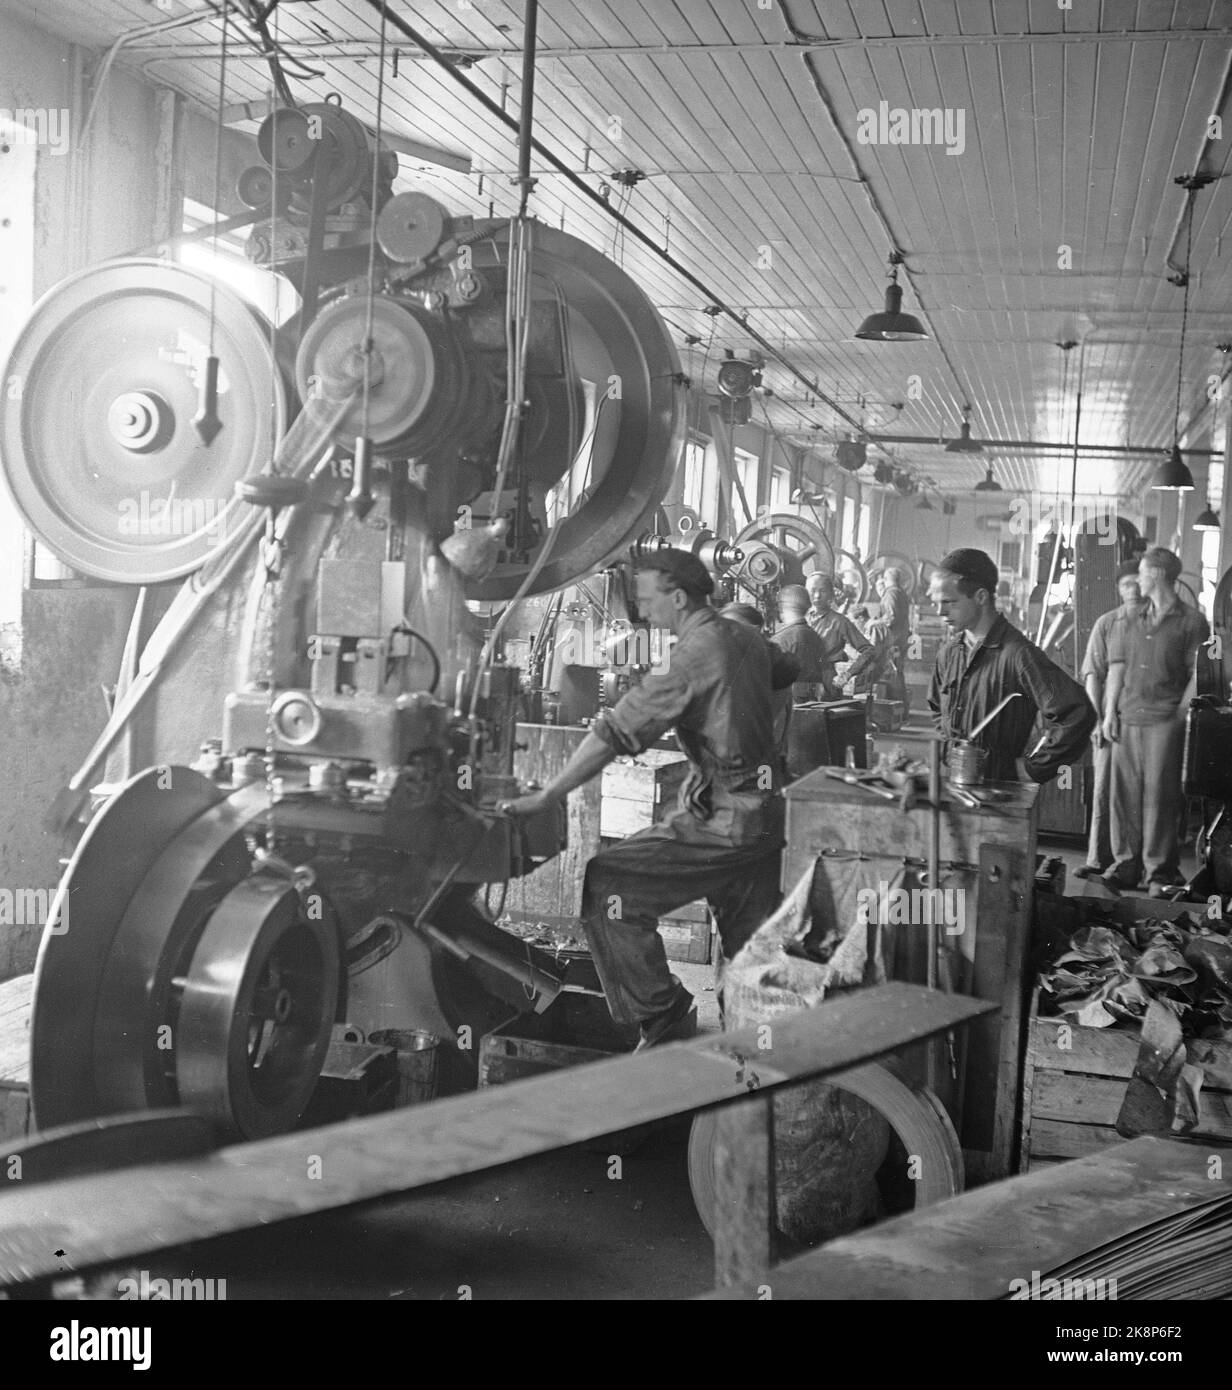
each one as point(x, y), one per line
point(747, 467)
point(701, 479)
point(780, 487)
point(17, 166)
point(271, 293)
point(866, 528)
point(1211, 540)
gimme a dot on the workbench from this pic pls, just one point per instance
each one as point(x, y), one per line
point(987, 855)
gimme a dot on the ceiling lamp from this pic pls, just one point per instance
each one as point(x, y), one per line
point(1207, 519)
point(883, 473)
point(1172, 475)
point(964, 444)
point(892, 325)
point(990, 483)
point(851, 454)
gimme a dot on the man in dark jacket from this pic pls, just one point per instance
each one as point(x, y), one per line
point(724, 841)
point(985, 661)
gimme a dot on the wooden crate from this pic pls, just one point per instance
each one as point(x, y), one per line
point(1072, 1093)
point(15, 998)
point(687, 933)
point(639, 791)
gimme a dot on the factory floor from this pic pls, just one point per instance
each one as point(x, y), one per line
point(570, 1225)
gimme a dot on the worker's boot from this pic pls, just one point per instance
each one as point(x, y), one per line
point(677, 1022)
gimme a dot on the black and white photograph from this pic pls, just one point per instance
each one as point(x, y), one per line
point(615, 666)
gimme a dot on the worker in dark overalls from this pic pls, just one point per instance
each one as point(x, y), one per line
point(985, 661)
point(724, 840)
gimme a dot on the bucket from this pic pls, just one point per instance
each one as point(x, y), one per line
point(418, 1059)
point(967, 763)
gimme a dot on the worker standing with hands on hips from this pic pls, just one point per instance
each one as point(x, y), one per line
point(985, 661)
point(724, 840)
point(1152, 664)
point(1094, 676)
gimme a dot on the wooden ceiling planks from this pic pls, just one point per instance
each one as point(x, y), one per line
point(1074, 142)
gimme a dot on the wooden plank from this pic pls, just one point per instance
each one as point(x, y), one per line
point(992, 1094)
point(745, 1232)
point(1055, 1045)
point(1102, 1051)
point(95, 1221)
point(15, 996)
point(970, 1248)
point(1059, 1139)
point(1096, 1100)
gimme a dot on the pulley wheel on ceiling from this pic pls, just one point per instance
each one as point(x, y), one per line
point(913, 1113)
point(802, 545)
point(99, 450)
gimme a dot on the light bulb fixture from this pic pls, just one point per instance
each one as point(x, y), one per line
point(892, 325)
point(1172, 475)
point(964, 444)
point(1207, 519)
point(989, 484)
point(883, 473)
point(851, 454)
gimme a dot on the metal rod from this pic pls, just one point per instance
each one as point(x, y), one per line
point(934, 850)
point(1143, 450)
point(526, 116)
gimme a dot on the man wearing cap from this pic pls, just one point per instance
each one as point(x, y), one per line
point(1152, 660)
point(723, 841)
point(1095, 674)
point(985, 661)
point(837, 633)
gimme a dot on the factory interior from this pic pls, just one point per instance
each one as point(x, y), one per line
point(613, 669)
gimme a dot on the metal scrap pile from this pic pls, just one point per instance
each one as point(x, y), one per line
point(1111, 973)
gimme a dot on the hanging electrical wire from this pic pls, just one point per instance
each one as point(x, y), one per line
point(206, 422)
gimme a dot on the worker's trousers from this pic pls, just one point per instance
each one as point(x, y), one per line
point(632, 884)
point(1099, 841)
point(1146, 802)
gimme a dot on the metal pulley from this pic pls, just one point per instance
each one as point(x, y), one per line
point(189, 976)
point(411, 226)
point(421, 391)
point(291, 140)
point(99, 448)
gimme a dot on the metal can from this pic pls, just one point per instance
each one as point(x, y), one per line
point(967, 763)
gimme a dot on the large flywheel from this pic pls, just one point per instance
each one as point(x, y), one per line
point(179, 974)
point(100, 451)
point(805, 549)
